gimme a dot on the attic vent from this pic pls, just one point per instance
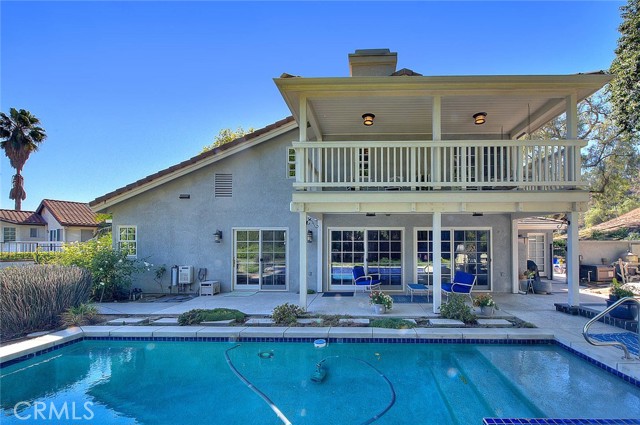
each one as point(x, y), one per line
point(223, 186)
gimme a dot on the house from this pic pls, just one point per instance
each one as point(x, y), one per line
point(53, 223)
point(411, 176)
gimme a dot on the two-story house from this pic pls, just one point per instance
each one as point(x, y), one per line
point(411, 176)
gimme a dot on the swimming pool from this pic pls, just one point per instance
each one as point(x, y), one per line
point(158, 382)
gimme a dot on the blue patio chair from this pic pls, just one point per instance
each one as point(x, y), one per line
point(366, 281)
point(462, 283)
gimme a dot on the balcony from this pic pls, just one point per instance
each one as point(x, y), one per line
point(30, 246)
point(472, 165)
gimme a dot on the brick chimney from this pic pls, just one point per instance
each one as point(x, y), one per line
point(372, 63)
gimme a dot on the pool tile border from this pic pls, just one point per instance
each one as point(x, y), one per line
point(12, 354)
point(551, 421)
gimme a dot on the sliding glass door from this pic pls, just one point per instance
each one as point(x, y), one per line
point(379, 251)
point(467, 250)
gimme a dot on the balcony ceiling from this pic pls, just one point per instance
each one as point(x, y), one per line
point(403, 106)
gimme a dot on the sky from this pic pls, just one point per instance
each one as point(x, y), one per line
point(125, 89)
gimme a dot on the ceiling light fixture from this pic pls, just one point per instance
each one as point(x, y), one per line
point(368, 119)
point(479, 118)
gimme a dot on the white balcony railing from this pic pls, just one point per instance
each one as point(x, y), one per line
point(30, 246)
point(445, 165)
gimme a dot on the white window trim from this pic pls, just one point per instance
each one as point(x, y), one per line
point(136, 240)
point(290, 163)
point(15, 233)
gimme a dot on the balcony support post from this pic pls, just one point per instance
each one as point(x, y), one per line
point(437, 136)
point(302, 245)
point(573, 279)
point(437, 261)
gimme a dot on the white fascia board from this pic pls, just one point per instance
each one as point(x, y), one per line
point(192, 167)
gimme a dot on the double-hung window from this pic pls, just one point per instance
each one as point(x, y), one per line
point(8, 234)
point(128, 240)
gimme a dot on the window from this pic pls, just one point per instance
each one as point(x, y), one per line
point(55, 235)
point(291, 163)
point(33, 232)
point(128, 240)
point(9, 234)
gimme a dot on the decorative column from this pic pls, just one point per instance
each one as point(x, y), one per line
point(437, 261)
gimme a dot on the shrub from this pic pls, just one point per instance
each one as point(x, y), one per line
point(286, 314)
point(196, 316)
point(379, 297)
point(32, 298)
point(456, 309)
point(83, 314)
point(392, 323)
point(16, 256)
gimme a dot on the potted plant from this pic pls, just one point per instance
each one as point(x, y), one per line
point(486, 303)
point(381, 302)
point(628, 310)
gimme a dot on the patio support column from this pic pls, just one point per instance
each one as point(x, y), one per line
point(437, 261)
point(302, 244)
point(515, 247)
point(573, 280)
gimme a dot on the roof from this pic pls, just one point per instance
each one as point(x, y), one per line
point(22, 217)
point(69, 213)
point(629, 222)
point(184, 165)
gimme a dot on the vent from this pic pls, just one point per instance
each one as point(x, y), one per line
point(223, 186)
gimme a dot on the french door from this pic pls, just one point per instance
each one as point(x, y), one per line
point(536, 250)
point(467, 250)
point(260, 259)
point(379, 251)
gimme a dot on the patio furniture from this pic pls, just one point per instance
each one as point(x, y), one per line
point(462, 283)
point(366, 281)
point(419, 289)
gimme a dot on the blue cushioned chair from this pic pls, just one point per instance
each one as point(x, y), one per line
point(366, 281)
point(462, 283)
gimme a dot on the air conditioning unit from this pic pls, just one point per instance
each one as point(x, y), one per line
point(185, 275)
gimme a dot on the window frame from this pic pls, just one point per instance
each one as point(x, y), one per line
point(128, 242)
point(4, 234)
point(291, 163)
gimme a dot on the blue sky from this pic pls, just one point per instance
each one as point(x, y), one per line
point(125, 89)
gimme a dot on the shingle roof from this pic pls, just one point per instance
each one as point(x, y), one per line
point(630, 220)
point(70, 213)
point(22, 217)
point(192, 160)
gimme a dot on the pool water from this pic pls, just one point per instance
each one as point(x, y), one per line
point(154, 382)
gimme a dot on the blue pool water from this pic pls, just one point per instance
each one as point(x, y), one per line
point(155, 382)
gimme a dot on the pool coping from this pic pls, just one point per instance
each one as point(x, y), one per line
point(608, 359)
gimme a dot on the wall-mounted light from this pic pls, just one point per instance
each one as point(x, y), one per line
point(217, 236)
point(479, 118)
point(370, 214)
point(477, 214)
point(368, 119)
point(309, 236)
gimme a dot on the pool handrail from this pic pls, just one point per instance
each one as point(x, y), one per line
point(585, 329)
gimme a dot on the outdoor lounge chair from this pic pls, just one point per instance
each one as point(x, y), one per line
point(366, 281)
point(462, 283)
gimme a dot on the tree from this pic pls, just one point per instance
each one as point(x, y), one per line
point(625, 86)
point(227, 135)
point(610, 163)
point(21, 135)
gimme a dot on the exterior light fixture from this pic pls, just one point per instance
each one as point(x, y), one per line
point(479, 118)
point(217, 236)
point(368, 119)
point(309, 236)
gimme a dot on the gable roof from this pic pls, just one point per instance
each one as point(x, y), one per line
point(22, 217)
point(190, 164)
point(69, 213)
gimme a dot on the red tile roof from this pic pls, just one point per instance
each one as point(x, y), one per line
point(630, 220)
point(192, 160)
point(22, 217)
point(70, 213)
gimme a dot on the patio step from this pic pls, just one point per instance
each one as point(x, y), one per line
point(218, 322)
point(355, 321)
point(128, 321)
point(166, 321)
point(263, 322)
point(495, 323)
point(446, 323)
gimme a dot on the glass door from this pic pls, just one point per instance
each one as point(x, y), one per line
point(536, 245)
point(467, 250)
point(260, 259)
point(379, 251)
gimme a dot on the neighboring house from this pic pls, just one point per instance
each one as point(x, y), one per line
point(53, 223)
point(535, 238)
point(411, 176)
point(21, 230)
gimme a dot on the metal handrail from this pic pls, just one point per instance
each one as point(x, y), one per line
point(585, 329)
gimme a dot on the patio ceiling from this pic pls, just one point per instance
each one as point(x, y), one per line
point(403, 106)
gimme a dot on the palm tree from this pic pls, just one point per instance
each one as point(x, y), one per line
point(20, 136)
